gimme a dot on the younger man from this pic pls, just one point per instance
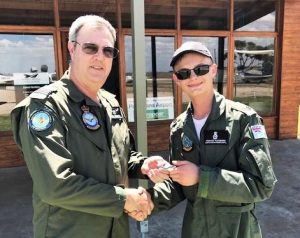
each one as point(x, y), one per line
point(221, 153)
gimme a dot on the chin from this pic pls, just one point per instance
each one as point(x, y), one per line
point(96, 81)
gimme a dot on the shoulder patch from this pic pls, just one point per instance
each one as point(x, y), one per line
point(43, 92)
point(242, 108)
point(259, 132)
point(40, 120)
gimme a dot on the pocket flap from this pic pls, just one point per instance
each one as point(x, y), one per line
point(236, 209)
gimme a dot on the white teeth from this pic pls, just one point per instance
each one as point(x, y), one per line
point(96, 67)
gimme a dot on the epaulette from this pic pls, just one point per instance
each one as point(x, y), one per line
point(178, 122)
point(173, 123)
point(111, 98)
point(241, 107)
point(43, 92)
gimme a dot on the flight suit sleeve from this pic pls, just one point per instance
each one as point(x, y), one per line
point(254, 180)
point(50, 164)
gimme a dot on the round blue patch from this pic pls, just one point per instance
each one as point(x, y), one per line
point(90, 120)
point(40, 120)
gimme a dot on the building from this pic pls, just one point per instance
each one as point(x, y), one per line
point(255, 43)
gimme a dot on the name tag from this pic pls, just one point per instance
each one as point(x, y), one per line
point(216, 137)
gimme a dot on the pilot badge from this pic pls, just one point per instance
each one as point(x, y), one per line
point(89, 119)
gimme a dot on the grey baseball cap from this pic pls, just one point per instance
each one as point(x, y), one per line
point(190, 46)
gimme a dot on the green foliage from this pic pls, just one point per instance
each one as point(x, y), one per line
point(5, 124)
point(248, 61)
point(261, 104)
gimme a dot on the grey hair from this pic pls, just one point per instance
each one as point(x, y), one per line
point(90, 19)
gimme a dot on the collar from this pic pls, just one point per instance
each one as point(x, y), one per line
point(73, 92)
point(218, 107)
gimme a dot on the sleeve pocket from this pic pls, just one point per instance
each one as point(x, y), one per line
point(264, 166)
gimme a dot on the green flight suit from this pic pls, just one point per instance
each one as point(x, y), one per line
point(78, 170)
point(235, 172)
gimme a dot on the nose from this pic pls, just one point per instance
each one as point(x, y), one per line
point(193, 75)
point(99, 54)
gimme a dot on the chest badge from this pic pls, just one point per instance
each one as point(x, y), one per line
point(89, 119)
point(187, 143)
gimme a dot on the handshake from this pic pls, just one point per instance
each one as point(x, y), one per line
point(138, 201)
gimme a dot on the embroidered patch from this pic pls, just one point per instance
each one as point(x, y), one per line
point(187, 143)
point(116, 113)
point(40, 120)
point(89, 119)
point(259, 132)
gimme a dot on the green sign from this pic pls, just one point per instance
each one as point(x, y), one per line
point(157, 114)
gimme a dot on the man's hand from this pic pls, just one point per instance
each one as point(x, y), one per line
point(138, 203)
point(185, 173)
point(156, 168)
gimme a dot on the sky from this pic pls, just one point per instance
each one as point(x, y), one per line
point(18, 53)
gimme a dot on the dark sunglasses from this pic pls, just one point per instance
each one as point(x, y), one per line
point(199, 70)
point(91, 49)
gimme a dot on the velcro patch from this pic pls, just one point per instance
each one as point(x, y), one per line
point(40, 120)
point(259, 132)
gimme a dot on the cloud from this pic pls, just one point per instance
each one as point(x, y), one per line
point(18, 53)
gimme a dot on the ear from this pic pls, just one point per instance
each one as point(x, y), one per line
point(214, 69)
point(174, 78)
point(71, 48)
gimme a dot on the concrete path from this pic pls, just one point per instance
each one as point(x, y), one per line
point(279, 216)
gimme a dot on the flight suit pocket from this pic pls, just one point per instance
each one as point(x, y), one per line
point(235, 209)
point(234, 221)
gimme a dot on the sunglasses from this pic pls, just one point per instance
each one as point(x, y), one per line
point(91, 49)
point(199, 70)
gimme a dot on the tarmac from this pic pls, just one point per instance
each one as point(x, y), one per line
point(279, 216)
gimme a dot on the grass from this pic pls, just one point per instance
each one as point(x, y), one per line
point(5, 124)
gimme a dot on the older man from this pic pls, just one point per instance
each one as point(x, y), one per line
point(77, 145)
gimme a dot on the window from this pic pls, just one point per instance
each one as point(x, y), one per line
point(204, 15)
point(27, 12)
point(216, 46)
point(254, 73)
point(254, 15)
point(160, 96)
point(26, 63)
point(69, 10)
point(160, 14)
